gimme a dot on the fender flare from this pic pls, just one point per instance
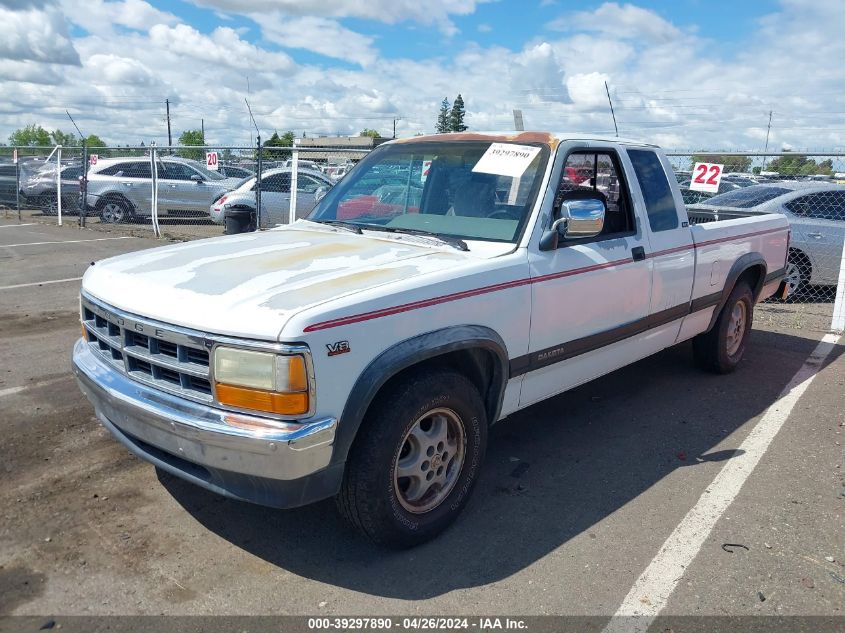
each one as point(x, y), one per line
point(411, 352)
point(740, 266)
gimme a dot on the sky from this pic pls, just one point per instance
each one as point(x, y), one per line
point(685, 74)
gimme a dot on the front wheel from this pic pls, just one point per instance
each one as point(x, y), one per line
point(416, 459)
point(721, 349)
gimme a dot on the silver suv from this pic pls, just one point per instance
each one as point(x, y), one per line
point(120, 189)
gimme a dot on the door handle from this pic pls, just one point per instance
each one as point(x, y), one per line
point(638, 253)
point(173, 186)
point(818, 236)
point(126, 184)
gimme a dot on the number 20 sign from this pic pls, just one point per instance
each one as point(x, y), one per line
point(706, 177)
point(211, 161)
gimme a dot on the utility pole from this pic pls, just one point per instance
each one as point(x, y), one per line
point(611, 108)
point(394, 128)
point(169, 138)
point(202, 127)
point(768, 129)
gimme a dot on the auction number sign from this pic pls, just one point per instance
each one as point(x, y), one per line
point(211, 160)
point(706, 177)
point(92, 159)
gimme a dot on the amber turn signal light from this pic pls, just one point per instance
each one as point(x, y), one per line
point(260, 400)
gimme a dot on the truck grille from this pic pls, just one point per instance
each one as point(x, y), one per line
point(150, 352)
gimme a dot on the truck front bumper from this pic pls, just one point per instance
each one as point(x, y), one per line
point(281, 468)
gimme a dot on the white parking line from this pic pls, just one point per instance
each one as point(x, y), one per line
point(13, 226)
point(40, 283)
point(653, 588)
point(10, 391)
point(96, 239)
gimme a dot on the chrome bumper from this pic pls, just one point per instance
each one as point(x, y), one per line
point(197, 442)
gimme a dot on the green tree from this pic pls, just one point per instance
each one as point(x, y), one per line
point(443, 118)
point(456, 116)
point(731, 163)
point(92, 140)
point(799, 165)
point(30, 136)
point(285, 140)
point(65, 140)
point(189, 138)
point(368, 132)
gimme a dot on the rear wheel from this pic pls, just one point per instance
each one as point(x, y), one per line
point(239, 223)
point(115, 211)
point(416, 458)
point(48, 205)
point(721, 349)
point(797, 276)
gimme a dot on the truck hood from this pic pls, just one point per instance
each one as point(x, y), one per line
point(249, 285)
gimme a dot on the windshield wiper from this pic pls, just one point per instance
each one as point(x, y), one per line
point(349, 226)
point(451, 241)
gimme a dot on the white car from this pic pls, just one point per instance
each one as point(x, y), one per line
point(364, 352)
point(816, 213)
point(236, 208)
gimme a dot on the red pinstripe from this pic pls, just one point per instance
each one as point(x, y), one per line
point(465, 294)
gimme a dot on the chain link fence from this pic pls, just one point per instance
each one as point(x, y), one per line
point(175, 192)
point(205, 191)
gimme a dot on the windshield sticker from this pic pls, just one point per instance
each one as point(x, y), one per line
point(504, 159)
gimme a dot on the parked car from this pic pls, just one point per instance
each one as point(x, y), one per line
point(8, 184)
point(816, 213)
point(231, 171)
point(365, 359)
point(691, 196)
point(236, 209)
point(40, 189)
point(120, 189)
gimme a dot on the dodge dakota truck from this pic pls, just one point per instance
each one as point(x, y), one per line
point(363, 353)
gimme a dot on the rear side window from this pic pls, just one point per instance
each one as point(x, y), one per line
point(128, 170)
point(659, 203)
point(824, 205)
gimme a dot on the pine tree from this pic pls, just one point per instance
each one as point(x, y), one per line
point(456, 117)
point(443, 121)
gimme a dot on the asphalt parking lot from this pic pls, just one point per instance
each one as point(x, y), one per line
point(578, 496)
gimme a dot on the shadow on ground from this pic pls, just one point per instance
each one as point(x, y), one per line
point(588, 453)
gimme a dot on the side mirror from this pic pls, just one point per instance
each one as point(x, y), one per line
point(320, 193)
point(586, 217)
point(580, 218)
point(197, 178)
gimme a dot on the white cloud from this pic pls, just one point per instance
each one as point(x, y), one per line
point(680, 91)
point(320, 35)
point(223, 46)
point(36, 34)
point(430, 12)
point(625, 21)
point(99, 16)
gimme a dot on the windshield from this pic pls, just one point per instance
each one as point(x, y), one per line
point(207, 173)
point(747, 197)
point(471, 190)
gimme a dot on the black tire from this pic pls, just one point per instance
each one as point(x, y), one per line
point(718, 350)
point(371, 496)
point(239, 223)
point(48, 204)
point(115, 211)
point(798, 272)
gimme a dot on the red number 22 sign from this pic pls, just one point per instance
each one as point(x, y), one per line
point(706, 177)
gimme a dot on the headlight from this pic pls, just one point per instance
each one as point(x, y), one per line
point(263, 381)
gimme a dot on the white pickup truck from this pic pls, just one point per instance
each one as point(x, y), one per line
point(363, 353)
